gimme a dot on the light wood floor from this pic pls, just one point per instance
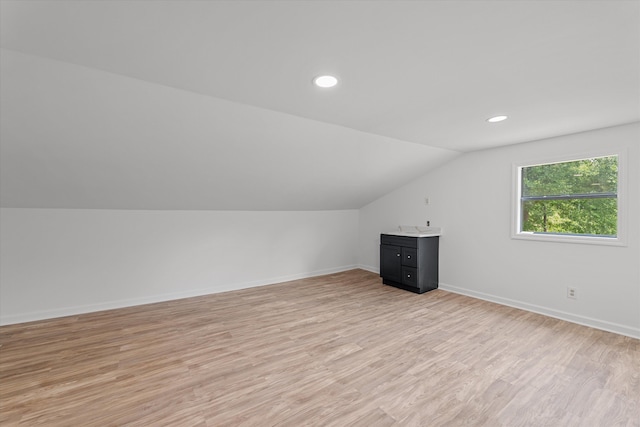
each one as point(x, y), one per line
point(336, 350)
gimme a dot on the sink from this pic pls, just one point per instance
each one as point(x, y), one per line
point(416, 231)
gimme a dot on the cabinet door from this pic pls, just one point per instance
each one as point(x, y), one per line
point(391, 262)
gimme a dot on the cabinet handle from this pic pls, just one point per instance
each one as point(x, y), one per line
point(397, 254)
point(408, 256)
point(408, 276)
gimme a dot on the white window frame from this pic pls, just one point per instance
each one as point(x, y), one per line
point(516, 217)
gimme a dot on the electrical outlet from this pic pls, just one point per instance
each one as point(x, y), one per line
point(572, 293)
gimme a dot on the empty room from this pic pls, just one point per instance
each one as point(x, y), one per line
point(320, 213)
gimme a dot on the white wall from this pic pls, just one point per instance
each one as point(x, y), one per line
point(56, 262)
point(471, 199)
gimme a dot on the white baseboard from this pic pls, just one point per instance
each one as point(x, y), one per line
point(89, 308)
point(110, 305)
point(562, 315)
point(369, 268)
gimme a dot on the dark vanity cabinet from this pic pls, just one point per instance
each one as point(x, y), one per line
point(409, 263)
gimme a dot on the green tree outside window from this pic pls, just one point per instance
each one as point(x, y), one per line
point(577, 197)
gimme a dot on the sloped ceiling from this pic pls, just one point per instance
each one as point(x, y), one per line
point(209, 104)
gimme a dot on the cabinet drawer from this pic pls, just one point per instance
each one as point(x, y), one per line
point(409, 242)
point(410, 257)
point(409, 276)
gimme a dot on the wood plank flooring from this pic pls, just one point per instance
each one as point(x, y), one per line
point(336, 350)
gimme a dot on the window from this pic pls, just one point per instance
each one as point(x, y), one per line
point(576, 200)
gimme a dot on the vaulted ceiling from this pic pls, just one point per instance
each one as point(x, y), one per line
point(185, 104)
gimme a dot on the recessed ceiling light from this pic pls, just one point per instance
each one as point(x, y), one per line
point(497, 119)
point(325, 81)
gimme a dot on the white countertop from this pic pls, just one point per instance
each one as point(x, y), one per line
point(419, 231)
point(413, 234)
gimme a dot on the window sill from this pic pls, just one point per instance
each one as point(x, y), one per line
point(568, 238)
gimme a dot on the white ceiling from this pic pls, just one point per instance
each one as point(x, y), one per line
point(209, 104)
